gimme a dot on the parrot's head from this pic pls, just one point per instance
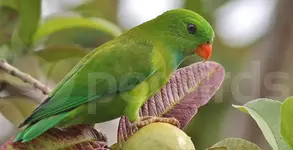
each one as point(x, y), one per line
point(187, 29)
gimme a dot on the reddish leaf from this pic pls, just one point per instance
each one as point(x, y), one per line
point(76, 137)
point(188, 89)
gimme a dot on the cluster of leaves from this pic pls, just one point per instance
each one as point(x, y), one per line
point(46, 48)
point(274, 119)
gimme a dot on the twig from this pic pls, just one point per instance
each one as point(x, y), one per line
point(24, 77)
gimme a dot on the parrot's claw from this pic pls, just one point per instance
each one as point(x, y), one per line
point(151, 119)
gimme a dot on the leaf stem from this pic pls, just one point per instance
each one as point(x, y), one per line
point(24, 77)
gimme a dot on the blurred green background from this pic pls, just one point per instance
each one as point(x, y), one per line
point(47, 38)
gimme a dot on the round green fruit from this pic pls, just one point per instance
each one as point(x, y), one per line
point(159, 136)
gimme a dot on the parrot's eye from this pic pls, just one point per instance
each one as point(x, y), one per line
point(191, 28)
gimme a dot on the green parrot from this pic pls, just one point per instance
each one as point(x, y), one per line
point(116, 78)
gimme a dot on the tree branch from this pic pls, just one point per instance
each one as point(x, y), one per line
point(24, 77)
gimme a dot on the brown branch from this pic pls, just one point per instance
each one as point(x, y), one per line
point(24, 77)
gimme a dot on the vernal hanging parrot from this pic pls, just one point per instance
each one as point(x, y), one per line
point(116, 78)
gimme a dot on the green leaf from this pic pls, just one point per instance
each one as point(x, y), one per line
point(88, 38)
point(16, 109)
point(56, 24)
point(5, 53)
point(8, 3)
point(266, 113)
point(106, 9)
point(57, 66)
point(8, 23)
point(287, 121)
point(63, 51)
point(219, 148)
point(75, 137)
point(29, 67)
point(234, 144)
point(30, 12)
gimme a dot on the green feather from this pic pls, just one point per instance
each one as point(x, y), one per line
point(76, 91)
point(20, 135)
point(40, 127)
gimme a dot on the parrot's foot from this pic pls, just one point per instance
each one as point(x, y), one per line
point(151, 119)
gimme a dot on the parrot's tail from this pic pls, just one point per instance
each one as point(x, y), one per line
point(34, 130)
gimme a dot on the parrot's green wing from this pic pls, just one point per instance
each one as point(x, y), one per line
point(112, 68)
point(72, 72)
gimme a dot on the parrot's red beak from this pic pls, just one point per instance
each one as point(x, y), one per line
point(204, 51)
